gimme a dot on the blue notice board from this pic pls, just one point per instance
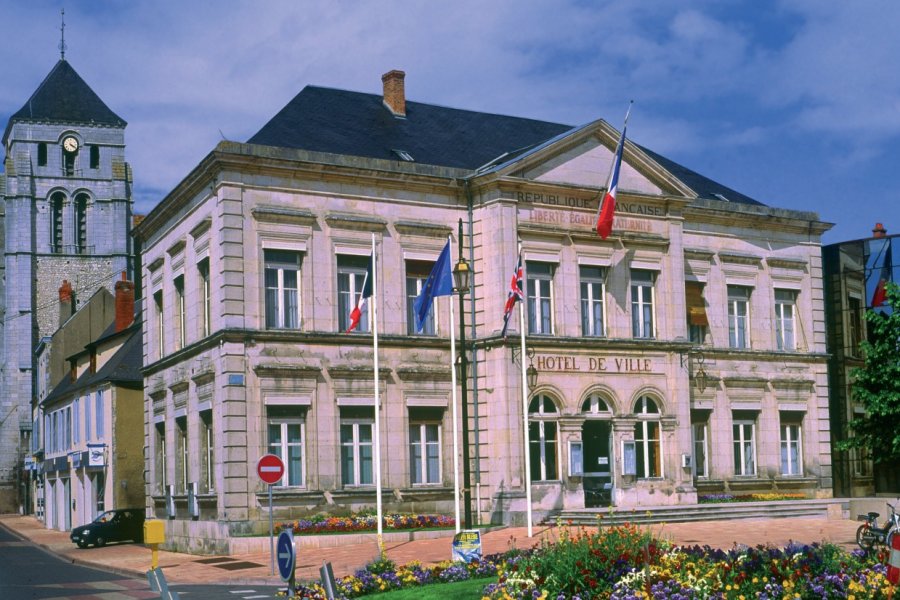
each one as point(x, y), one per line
point(466, 546)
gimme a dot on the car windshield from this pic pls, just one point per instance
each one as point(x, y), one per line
point(105, 517)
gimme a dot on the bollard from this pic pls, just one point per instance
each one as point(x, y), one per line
point(327, 576)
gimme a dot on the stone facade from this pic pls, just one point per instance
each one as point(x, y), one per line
point(627, 410)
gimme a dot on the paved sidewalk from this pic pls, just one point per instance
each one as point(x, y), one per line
point(255, 569)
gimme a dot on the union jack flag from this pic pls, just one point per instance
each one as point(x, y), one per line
point(515, 293)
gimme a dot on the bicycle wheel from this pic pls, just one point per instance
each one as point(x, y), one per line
point(864, 538)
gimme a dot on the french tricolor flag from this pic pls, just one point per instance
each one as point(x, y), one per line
point(608, 206)
point(364, 294)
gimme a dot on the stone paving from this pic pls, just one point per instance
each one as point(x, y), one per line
point(255, 568)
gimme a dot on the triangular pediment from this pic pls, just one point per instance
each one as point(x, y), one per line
point(584, 158)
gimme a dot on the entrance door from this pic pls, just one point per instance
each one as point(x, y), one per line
point(66, 512)
point(597, 464)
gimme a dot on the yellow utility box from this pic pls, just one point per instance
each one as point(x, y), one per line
point(154, 532)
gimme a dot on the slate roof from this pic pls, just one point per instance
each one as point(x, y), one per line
point(123, 369)
point(336, 121)
point(64, 97)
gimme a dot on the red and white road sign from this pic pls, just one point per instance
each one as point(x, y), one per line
point(270, 469)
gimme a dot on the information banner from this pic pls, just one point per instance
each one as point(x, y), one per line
point(466, 546)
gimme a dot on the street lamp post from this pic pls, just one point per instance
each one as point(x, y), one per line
point(461, 277)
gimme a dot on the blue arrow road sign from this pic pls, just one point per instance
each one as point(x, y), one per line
point(285, 554)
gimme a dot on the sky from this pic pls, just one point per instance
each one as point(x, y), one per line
point(795, 103)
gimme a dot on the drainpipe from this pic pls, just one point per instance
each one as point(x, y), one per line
point(469, 210)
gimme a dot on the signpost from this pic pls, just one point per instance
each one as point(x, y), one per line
point(270, 469)
point(286, 558)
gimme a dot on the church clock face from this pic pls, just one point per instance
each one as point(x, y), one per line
point(70, 144)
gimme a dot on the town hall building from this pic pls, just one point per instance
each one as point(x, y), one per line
point(681, 356)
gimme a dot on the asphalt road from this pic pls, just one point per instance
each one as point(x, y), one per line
point(28, 572)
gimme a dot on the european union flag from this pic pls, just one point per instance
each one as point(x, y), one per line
point(439, 283)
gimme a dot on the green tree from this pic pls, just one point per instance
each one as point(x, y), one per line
point(877, 384)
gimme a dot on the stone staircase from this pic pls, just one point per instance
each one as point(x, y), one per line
point(824, 508)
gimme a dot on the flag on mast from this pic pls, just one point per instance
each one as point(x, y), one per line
point(438, 283)
point(516, 294)
point(607, 208)
point(364, 294)
point(879, 296)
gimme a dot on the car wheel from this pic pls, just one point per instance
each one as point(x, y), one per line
point(100, 542)
point(82, 544)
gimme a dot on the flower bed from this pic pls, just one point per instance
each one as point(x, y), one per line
point(766, 497)
point(627, 563)
point(366, 522)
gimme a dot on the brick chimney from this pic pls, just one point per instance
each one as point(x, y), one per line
point(65, 302)
point(879, 231)
point(394, 92)
point(124, 303)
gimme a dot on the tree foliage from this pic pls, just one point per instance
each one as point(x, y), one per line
point(877, 384)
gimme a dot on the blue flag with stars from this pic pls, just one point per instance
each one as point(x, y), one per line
point(439, 283)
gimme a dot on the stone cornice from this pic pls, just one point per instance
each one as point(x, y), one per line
point(281, 214)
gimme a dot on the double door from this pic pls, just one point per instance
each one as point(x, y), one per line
point(598, 462)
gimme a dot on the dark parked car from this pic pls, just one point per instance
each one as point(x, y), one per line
point(112, 526)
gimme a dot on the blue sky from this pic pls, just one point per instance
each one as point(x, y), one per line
point(795, 103)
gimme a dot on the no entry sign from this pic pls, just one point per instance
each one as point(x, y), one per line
point(270, 469)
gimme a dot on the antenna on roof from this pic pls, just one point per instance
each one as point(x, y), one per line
point(62, 34)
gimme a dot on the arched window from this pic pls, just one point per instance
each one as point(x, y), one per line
point(81, 224)
point(56, 222)
point(595, 405)
point(543, 435)
point(647, 439)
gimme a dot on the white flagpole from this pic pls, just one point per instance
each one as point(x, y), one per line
point(455, 419)
point(377, 453)
point(525, 410)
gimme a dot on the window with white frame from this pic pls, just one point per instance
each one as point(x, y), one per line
point(207, 453)
point(539, 277)
point(425, 445)
point(179, 312)
point(744, 436)
point(700, 433)
point(160, 323)
point(205, 303)
point(642, 300)
point(282, 278)
point(593, 293)
point(182, 457)
point(738, 316)
point(160, 462)
point(356, 446)
point(543, 438)
point(647, 439)
point(287, 435)
point(98, 413)
point(791, 444)
point(351, 279)
point(785, 309)
point(417, 272)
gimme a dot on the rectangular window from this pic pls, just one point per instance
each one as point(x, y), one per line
point(791, 448)
point(738, 316)
point(207, 449)
point(205, 305)
point(287, 432)
point(697, 320)
point(160, 464)
point(417, 272)
point(179, 312)
point(744, 447)
point(425, 453)
point(81, 224)
point(862, 462)
point(42, 154)
point(56, 222)
point(87, 418)
point(543, 438)
point(282, 274)
point(95, 156)
point(182, 458)
point(539, 284)
point(67, 413)
point(98, 406)
point(593, 293)
point(160, 323)
point(854, 325)
point(785, 308)
point(351, 278)
point(356, 446)
point(700, 449)
point(642, 297)
point(76, 421)
point(648, 446)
